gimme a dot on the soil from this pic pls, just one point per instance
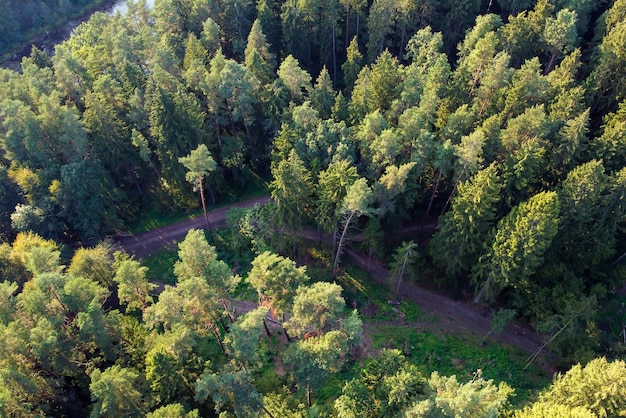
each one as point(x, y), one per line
point(444, 315)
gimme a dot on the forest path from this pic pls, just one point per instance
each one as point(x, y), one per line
point(444, 315)
point(147, 243)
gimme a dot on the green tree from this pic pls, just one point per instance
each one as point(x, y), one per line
point(198, 259)
point(115, 392)
point(173, 410)
point(133, 287)
point(358, 201)
point(560, 35)
point(595, 389)
point(477, 398)
point(387, 385)
point(499, 319)
point(353, 65)
point(316, 309)
point(403, 258)
point(276, 280)
point(292, 190)
point(465, 228)
point(230, 390)
point(242, 340)
point(520, 241)
point(171, 365)
point(296, 80)
point(258, 58)
point(94, 263)
point(332, 186)
point(198, 164)
point(88, 199)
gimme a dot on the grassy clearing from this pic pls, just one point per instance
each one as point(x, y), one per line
point(450, 355)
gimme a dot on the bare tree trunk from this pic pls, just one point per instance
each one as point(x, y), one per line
point(341, 243)
point(432, 197)
point(482, 291)
point(206, 217)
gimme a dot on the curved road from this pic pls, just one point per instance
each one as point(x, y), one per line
point(451, 317)
point(147, 243)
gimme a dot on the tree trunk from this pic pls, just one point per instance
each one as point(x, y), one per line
point(206, 217)
point(341, 243)
point(267, 330)
point(551, 62)
point(482, 292)
point(269, 414)
point(456, 184)
point(308, 393)
point(406, 258)
point(432, 197)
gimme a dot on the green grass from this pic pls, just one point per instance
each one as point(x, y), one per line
point(462, 357)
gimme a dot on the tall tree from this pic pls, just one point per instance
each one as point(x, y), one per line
point(276, 279)
point(115, 392)
point(358, 201)
point(520, 241)
point(403, 258)
point(198, 164)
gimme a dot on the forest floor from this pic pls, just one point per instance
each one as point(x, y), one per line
point(442, 314)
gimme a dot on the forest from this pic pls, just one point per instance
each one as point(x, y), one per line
point(496, 128)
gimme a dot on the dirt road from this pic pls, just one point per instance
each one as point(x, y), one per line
point(147, 243)
point(450, 317)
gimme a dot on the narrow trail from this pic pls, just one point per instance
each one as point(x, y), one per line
point(446, 316)
point(147, 243)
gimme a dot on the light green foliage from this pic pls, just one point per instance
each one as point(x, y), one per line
point(332, 186)
point(596, 389)
point(560, 34)
point(191, 303)
point(258, 58)
point(521, 239)
point(316, 308)
point(133, 286)
point(358, 201)
point(174, 410)
point(170, 365)
point(292, 189)
point(478, 398)
point(94, 263)
point(542, 410)
point(390, 186)
point(323, 95)
point(43, 260)
point(198, 259)
point(610, 146)
point(199, 163)
point(295, 79)
point(115, 393)
point(243, 338)
point(276, 279)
